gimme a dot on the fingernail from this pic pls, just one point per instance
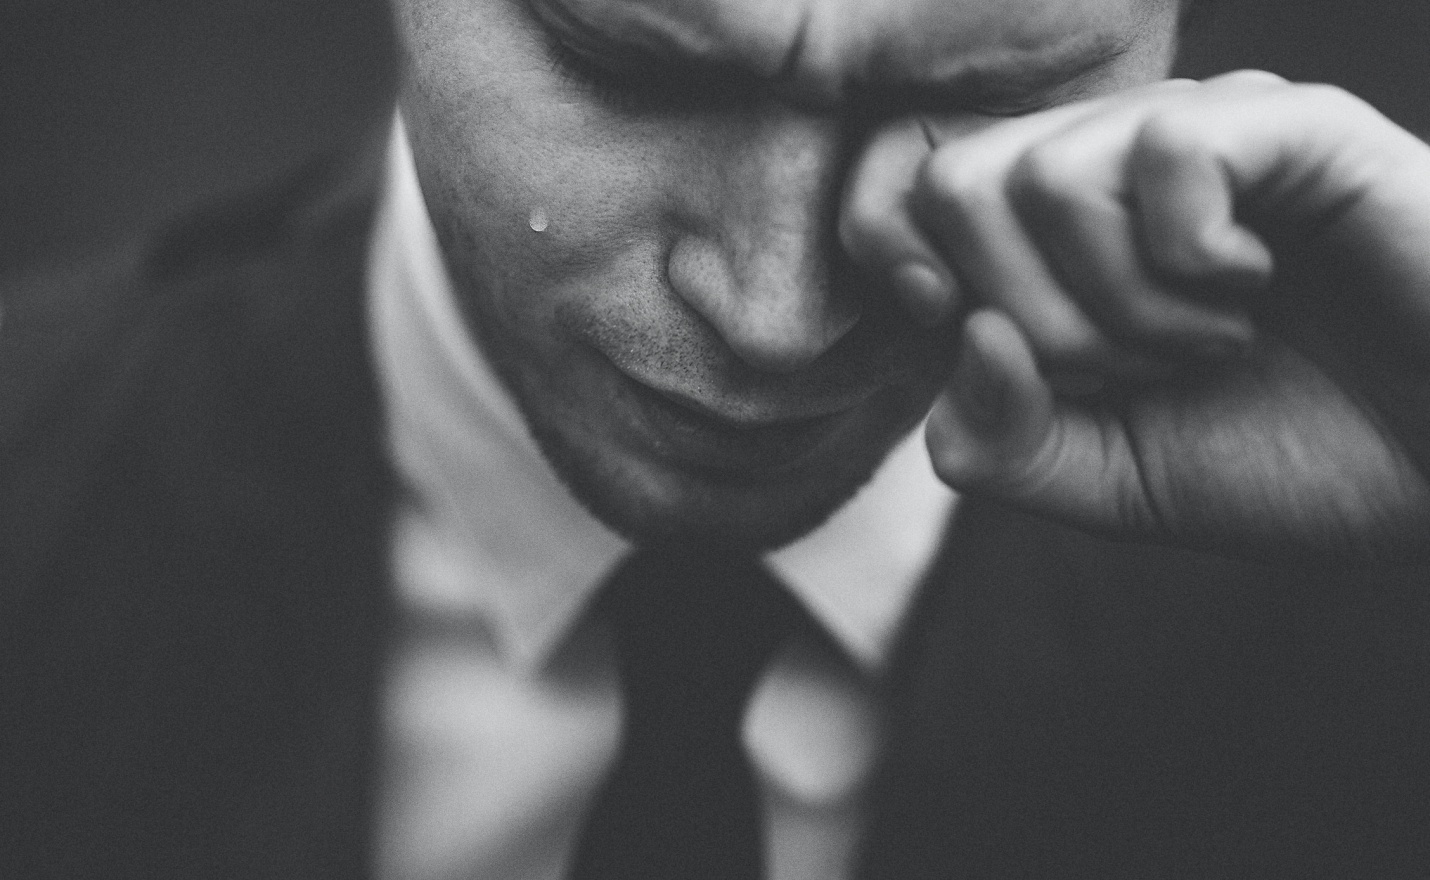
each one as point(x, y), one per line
point(927, 293)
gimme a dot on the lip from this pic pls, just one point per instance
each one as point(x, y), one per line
point(717, 441)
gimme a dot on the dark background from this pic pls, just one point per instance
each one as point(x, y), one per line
point(114, 114)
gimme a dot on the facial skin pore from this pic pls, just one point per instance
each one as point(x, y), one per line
point(691, 349)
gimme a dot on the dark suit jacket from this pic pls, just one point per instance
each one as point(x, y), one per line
point(193, 501)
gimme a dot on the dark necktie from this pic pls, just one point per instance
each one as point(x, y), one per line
point(693, 632)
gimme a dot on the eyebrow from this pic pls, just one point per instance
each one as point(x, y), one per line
point(1013, 80)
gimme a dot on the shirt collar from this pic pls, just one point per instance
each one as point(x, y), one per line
point(528, 563)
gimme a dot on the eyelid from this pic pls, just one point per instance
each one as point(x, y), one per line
point(1018, 90)
point(631, 79)
point(981, 98)
point(573, 49)
point(641, 82)
point(579, 70)
point(577, 66)
point(893, 103)
point(1021, 106)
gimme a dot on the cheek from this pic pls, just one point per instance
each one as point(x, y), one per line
point(533, 187)
point(549, 194)
point(547, 219)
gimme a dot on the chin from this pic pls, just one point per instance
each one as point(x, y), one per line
point(651, 502)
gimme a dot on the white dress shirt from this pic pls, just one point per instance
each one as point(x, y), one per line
point(502, 708)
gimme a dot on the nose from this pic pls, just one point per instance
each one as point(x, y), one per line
point(756, 262)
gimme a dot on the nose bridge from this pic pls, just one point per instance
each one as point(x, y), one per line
point(779, 193)
point(762, 277)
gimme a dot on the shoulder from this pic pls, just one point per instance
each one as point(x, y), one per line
point(54, 318)
point(252, 304)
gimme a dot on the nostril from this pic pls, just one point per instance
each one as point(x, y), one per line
point(779, 339)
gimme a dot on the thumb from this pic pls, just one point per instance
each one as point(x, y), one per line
point(991, 425)
point(999, 431)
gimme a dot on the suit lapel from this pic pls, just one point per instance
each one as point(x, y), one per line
point(1029, 644)
point(1068, 707)
point(195, 507)
point(201, 630)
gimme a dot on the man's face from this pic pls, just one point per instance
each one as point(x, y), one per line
point(638, 202)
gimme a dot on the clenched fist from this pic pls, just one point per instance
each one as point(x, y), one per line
point(1193, 312)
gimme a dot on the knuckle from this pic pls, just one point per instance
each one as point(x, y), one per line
point(1184, 256)
point(1057, 194)
point(1336, 108)
point(857, 227)
point(1335, 99)
point(867, 201)
point(876, 232)
point(1169, 135)
point(956, 178)
point(1251, 77)
point(1049, 177)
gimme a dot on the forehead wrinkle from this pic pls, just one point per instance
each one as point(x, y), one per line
point(827, 49)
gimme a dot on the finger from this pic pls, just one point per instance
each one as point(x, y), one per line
point(1069, 195)
point(995, 415)
point(1072, 192)
point(1301, 152)
point(1318, 169)
point(1188, 228)
point(877, 231)
point(959, 199)
point(998, 431)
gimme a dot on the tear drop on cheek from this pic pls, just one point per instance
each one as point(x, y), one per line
point(537, 221)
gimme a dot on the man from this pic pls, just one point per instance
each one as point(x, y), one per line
point(272, 610)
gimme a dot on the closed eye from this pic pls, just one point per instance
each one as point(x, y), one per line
point(633, 83)
point(634, 79)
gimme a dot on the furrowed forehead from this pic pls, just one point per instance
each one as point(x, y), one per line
point(828, 47)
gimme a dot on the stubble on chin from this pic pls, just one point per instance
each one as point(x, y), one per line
point(748, 515)
point(645, 500)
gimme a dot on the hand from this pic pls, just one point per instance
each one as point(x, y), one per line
point(1193, 312)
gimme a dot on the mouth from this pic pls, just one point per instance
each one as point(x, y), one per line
point(729, 442)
